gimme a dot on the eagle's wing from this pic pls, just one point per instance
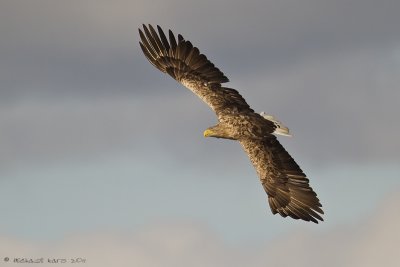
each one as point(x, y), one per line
point(183, 62)
point(289, 193)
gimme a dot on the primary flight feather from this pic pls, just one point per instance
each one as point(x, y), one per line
point(287, 187)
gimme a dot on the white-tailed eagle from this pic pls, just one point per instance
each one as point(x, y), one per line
point(287, 187)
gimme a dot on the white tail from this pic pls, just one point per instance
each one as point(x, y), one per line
point(280, 128)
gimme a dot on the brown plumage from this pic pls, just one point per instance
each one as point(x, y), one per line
point(287, 187)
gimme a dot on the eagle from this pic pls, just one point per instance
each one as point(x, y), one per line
point(286, 185)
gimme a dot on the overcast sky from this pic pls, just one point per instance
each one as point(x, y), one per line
point(97, 146)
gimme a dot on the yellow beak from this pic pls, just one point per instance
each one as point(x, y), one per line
point(207, 133)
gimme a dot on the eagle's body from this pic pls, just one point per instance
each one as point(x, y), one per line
point(287, 187)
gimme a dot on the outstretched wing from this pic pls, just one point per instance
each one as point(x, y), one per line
point(183, 62)
point(287, 187)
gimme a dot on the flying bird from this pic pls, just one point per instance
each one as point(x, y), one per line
point(287, 187)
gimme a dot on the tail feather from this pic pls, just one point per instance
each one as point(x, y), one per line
point(280, 128)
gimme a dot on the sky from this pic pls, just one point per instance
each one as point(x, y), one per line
point(102, 156)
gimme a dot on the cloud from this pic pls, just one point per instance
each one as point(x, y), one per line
point(371, 241)
point(91, 48)
point(327, 69)
point(347, 100)
point(345, 104)
point(61, 130)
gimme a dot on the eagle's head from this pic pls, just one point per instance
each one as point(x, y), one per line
point(218, 131)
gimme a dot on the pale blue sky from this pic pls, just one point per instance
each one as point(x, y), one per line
point(126, 193)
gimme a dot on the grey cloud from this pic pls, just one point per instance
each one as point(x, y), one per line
point(48, 130)
point(343, 106)
point(343, 111)
point(44, 131)
point(87, 48)
point(327, 69)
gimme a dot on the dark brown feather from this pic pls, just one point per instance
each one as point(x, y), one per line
point(172, 40)
point(181, 60)
point(287, 187)
point(163, 38)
